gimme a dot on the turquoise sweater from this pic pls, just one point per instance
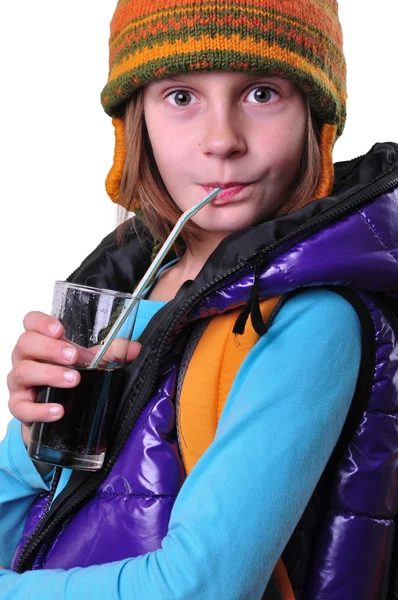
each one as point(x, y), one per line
point(239, 506)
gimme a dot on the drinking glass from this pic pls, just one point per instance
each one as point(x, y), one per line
point(79, 440)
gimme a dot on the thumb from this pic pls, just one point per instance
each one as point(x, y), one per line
point(133, 351)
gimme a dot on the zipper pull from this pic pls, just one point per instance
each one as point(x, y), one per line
point(252, 308)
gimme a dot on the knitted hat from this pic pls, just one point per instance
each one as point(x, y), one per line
point(297, 39)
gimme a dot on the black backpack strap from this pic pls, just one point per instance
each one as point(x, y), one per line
point(304, 535)
point(272, 591)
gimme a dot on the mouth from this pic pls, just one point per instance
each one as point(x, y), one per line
point(228, 191)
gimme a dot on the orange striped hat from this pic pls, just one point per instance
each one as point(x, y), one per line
point(298, 39)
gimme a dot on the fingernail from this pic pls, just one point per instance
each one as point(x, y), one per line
point(70, 376)
point(55, 411)
point(68, 353)
point(53, 328)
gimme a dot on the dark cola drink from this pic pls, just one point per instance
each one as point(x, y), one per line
point(79, 439)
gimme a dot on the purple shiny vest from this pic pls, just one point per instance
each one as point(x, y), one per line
point(346, 552)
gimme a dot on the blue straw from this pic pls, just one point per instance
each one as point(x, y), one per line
point(150, 274)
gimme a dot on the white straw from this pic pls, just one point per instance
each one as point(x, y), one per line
point(150, 274)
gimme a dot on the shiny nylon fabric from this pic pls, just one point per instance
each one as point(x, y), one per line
point(129, 513)
point(352, 550)
point(36, 513)
point(359, 251)
point(131, 509)
point(360, 515)
point(334, 255)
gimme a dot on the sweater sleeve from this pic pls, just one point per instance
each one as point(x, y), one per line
point(20, 483)
point(238, 507)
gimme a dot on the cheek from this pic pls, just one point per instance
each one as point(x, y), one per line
point(284, 145)
point(162, 148)
point(168, 145)
point(159, 139)
point(168, 153)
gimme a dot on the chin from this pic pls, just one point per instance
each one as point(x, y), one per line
point(222, 228)
point(233, 225)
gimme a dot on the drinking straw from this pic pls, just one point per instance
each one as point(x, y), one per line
point(150, 274)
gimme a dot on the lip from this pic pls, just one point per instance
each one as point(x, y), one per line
point(229, 190)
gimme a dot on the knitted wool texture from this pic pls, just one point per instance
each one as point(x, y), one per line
point(297, 39)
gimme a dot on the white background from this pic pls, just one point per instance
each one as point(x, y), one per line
point(56, 144)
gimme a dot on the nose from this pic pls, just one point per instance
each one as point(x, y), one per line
point(223, 134)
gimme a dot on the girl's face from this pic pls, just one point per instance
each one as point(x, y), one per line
point(241, 132)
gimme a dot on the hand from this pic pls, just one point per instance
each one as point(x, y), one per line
point(39, 345)
point(117, 351)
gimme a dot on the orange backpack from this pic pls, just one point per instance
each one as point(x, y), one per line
point(206, 384)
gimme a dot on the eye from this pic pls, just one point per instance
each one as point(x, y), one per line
point(261, 95)
point(182, 98)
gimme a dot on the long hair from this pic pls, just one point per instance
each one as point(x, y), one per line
point(142, 184)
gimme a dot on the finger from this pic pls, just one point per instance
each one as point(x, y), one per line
point(133, 351)
point(42, 323)
point(120, 350)
point(26, 411)
point(33, 345)
point(29, 373)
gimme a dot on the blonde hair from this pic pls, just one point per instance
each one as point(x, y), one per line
point(142, 184)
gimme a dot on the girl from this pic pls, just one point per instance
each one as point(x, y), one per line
point(258, 418)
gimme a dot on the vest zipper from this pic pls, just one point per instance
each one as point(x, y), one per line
point(385, 183)
point(54, 485)
point(356, 200)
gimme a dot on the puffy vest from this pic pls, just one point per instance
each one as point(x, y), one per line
point(343, 546)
